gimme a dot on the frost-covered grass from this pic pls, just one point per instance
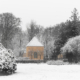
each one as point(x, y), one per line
point(43, 71)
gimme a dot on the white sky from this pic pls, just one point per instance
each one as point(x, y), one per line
point(43, 12)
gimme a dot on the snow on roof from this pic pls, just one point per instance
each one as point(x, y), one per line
point(34, 42)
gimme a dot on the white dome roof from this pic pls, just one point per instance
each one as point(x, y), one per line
point(34, 42)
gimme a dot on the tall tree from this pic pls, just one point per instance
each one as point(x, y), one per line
point(47, 40)
point(74, 16)
point(19, 42)
point(9, 24)
point(75, 22)
point(33, 30)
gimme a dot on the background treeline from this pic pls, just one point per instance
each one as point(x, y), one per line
point(63, 38)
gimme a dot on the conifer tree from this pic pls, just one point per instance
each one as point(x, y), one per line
point(68, 30)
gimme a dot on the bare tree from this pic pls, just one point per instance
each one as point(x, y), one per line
point(9, 24)
point(19, 43)
point(33, 30)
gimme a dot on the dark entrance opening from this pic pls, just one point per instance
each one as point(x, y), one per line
point(35, 55)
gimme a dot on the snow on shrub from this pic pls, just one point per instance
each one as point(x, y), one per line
point(72, 45)
point(7, 60)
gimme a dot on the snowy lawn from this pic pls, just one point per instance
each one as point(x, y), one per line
point(43, 71)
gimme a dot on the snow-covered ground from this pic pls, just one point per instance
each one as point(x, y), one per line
point(44, 72)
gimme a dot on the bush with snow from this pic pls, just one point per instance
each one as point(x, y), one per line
point(72, 47)
point(7, 60)
point(73, 44)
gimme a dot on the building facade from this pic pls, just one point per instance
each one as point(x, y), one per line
point(35, 50)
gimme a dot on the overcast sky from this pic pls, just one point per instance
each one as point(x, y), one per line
point(43, 12)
